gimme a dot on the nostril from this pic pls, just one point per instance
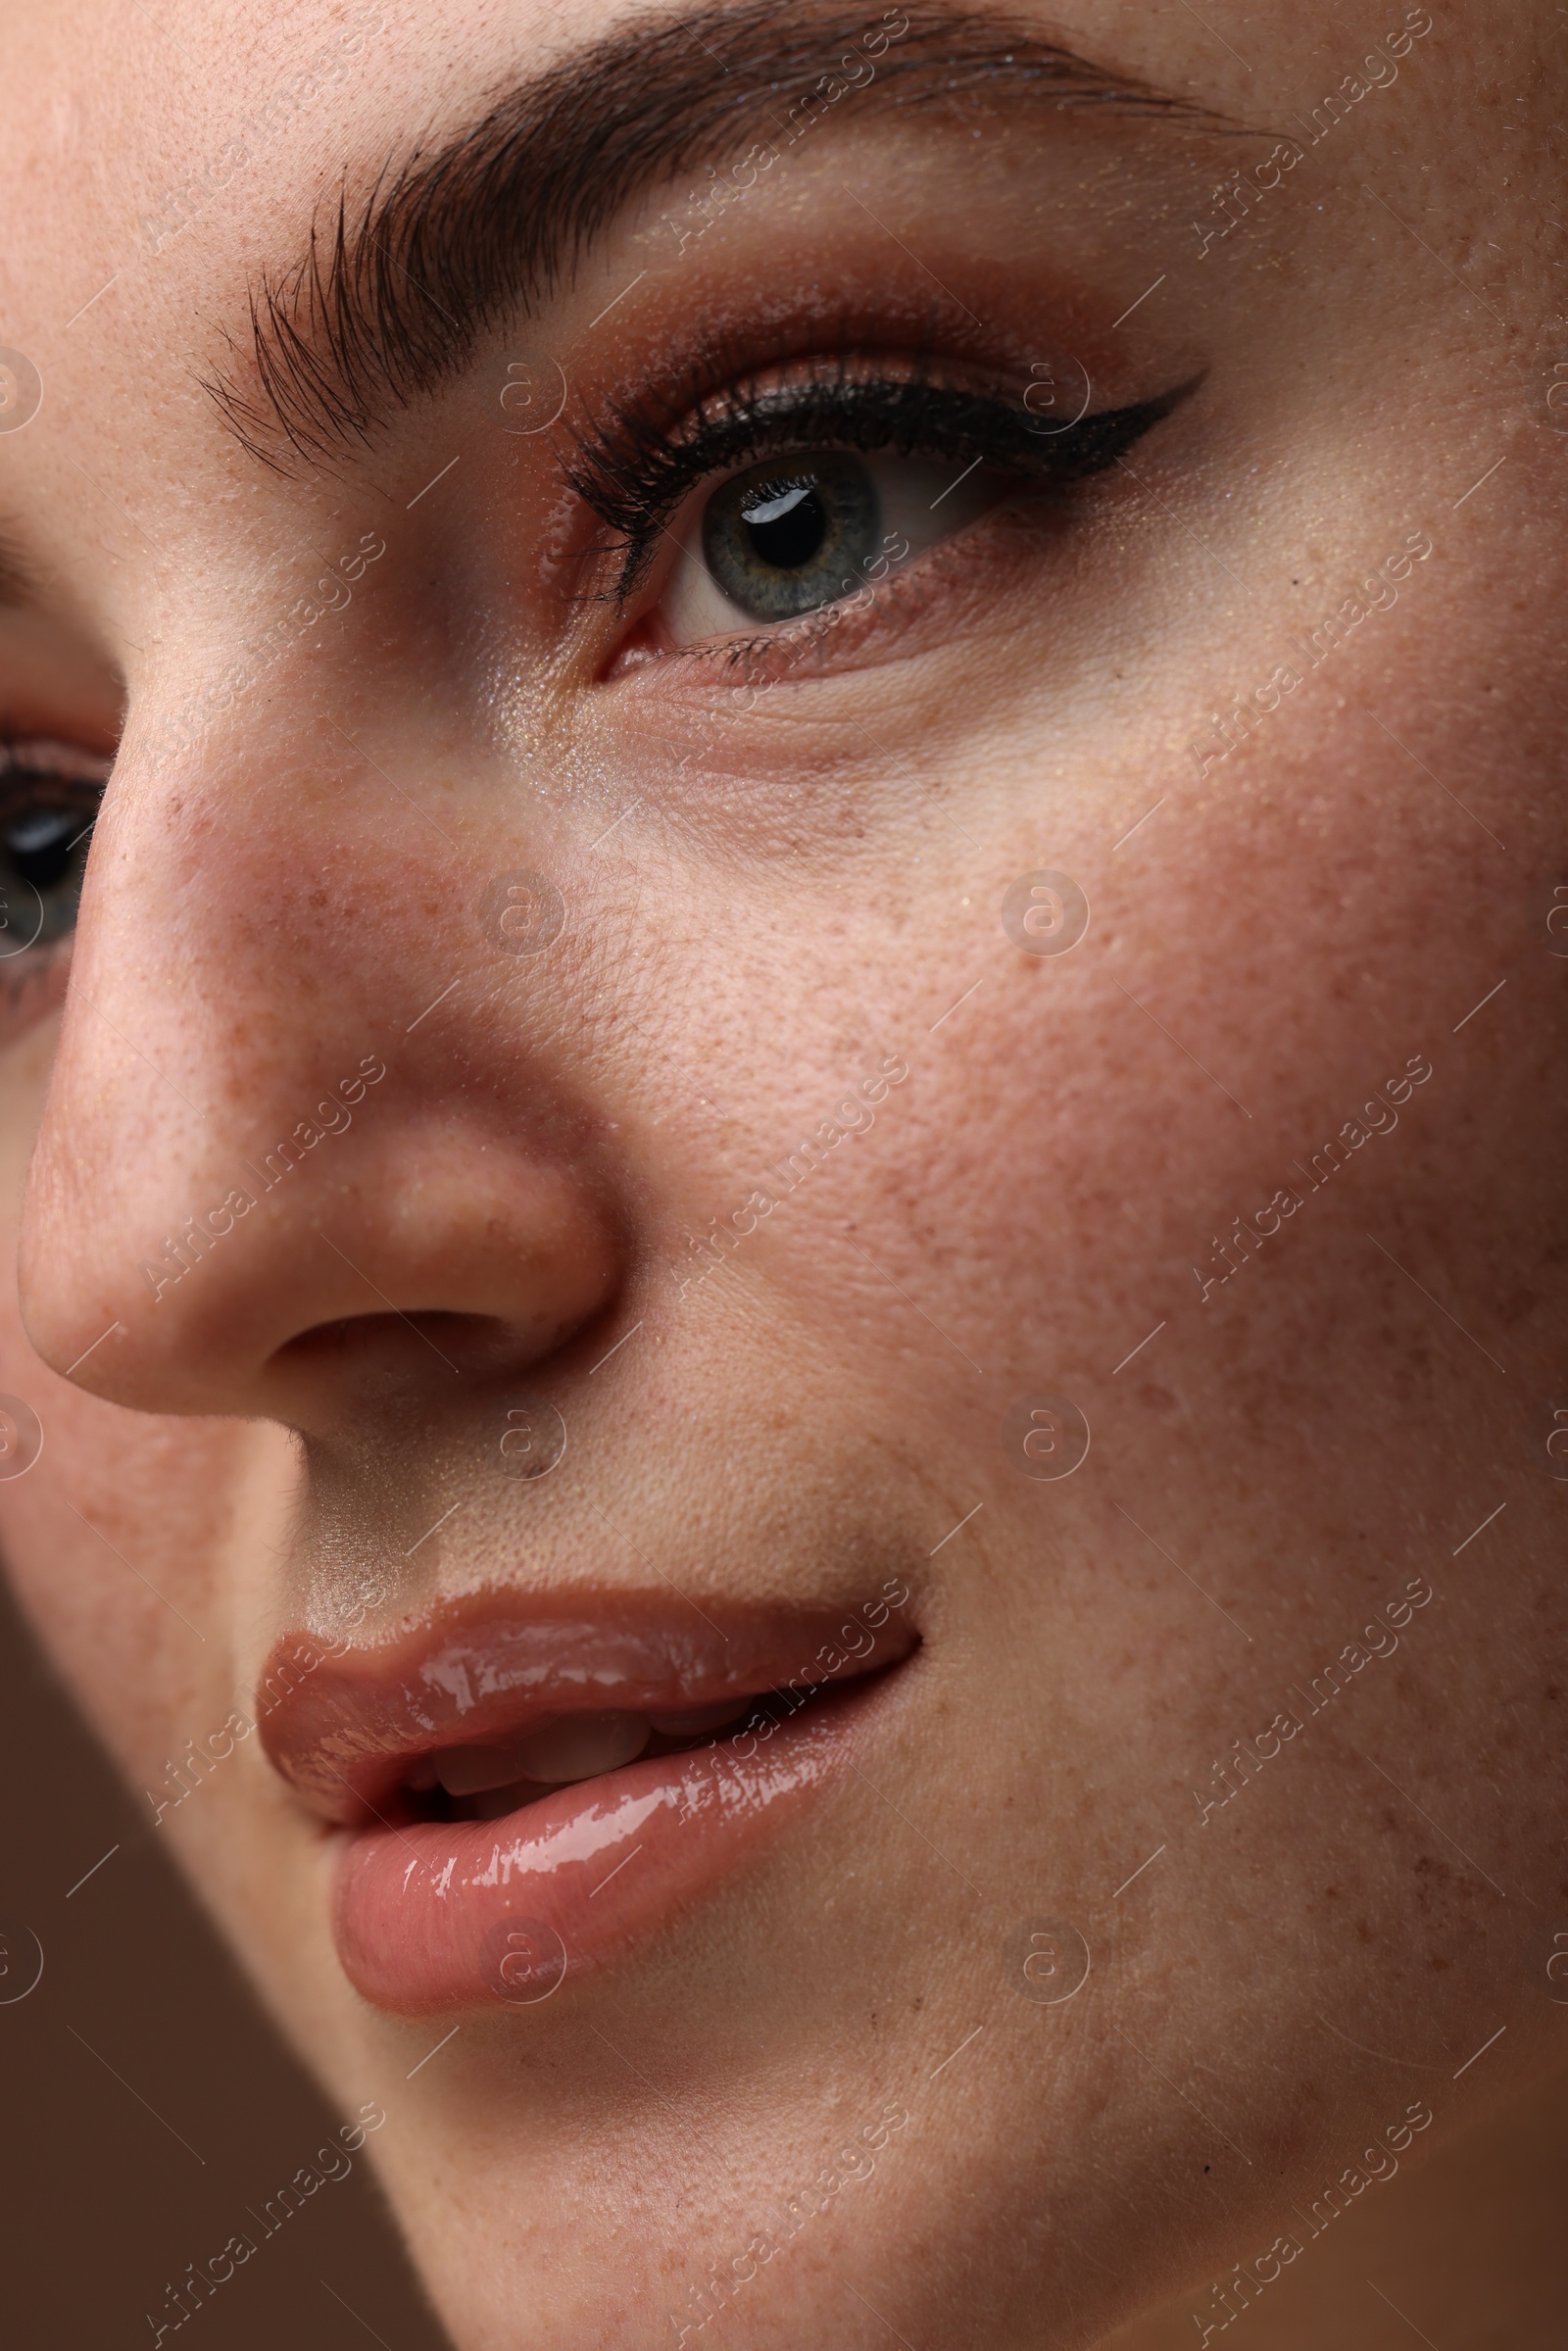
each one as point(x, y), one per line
point(369, 1334)
point(423, 1346)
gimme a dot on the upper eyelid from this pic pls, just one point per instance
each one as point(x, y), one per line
point(64, 754)
point(51, 757)
point(725, 426)
point(964, 421)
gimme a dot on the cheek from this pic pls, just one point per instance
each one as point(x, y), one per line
point(156, 1499)
point(1093, 1119)
point(1063, 1154)
point(132, 1597)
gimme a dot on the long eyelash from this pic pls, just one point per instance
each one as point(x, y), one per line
point(635, 469)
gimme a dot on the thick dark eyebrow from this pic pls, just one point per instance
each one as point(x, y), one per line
point(391, 296)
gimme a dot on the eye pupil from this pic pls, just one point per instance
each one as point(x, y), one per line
point(38, 845)
point(787, 529)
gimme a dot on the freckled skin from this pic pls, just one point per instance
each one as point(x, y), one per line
point(762, 911)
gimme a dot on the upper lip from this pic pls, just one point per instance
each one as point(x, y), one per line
point(345, 1725)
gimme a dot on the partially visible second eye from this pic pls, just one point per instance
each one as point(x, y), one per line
point(49, 796)
point(796, 532)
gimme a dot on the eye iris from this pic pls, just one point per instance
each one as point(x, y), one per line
point(780, 541)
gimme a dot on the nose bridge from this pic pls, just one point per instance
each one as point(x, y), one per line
point(252, 1128)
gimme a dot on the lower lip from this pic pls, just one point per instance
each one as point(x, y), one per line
point(462, 1913)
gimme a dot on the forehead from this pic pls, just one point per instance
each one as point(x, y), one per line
point(154, 170)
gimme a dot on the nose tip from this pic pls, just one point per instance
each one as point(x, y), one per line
point(401, 1250)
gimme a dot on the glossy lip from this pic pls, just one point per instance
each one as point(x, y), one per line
point(430, 1915)
point(345, 1725)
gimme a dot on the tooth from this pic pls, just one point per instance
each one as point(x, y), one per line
point(579, 1746)
point(495, 1802)
point(684, 1722)
point(466, 1771)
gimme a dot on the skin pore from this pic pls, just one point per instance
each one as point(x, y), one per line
point(1191, 445)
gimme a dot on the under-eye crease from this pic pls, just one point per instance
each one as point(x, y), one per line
point(634, 469)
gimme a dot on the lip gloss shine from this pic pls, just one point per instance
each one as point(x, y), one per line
point(506, 1908)
point(439, 1915)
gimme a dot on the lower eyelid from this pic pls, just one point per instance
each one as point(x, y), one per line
point(966, 569)
point(923, 502)
point(982, 556)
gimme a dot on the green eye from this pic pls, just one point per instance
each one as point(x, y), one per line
point(785, 538)
point(49, 797)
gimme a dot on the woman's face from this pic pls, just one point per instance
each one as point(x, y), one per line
point(788, 1244)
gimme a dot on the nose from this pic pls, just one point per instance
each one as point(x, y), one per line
point(312, 1120)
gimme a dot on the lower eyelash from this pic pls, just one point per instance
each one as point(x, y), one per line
point(769, 655)
point(635, 471)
